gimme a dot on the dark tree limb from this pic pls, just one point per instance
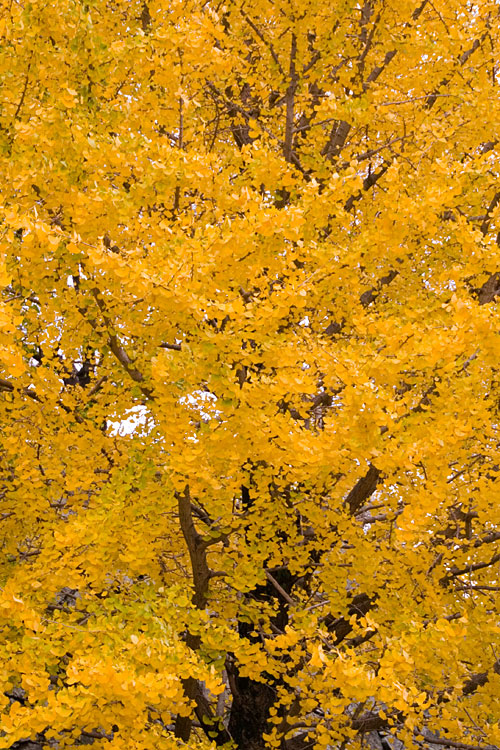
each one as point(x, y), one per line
point(342, 626)
point(363, 489)
point(290, 101)
point(389, 56)
point(471, 568)
point(368, 182)
point(200, 578)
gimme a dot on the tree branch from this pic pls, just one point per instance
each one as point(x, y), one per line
point(279, 588)
point(290, 101)
point(368, 182)
point(263, 39)
point(363, 489)
point(115, 346)
point(428, 737)
point(375, 73)
point(455, 572)
point(25, 88)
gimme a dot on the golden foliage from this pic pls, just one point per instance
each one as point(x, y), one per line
point(249, 373)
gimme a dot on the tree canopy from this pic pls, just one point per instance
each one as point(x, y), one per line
point(249, 351)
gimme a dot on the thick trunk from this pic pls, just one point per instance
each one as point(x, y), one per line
point(252, 699)
point(249, 711)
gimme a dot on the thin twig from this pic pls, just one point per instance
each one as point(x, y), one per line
point(25, 88)
point(263, 39)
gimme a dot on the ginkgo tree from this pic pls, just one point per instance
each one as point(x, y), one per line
point(268, 232)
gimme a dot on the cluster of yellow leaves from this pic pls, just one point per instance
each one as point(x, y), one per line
point(252, 251)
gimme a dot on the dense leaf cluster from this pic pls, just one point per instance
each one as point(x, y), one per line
point(249, 385)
